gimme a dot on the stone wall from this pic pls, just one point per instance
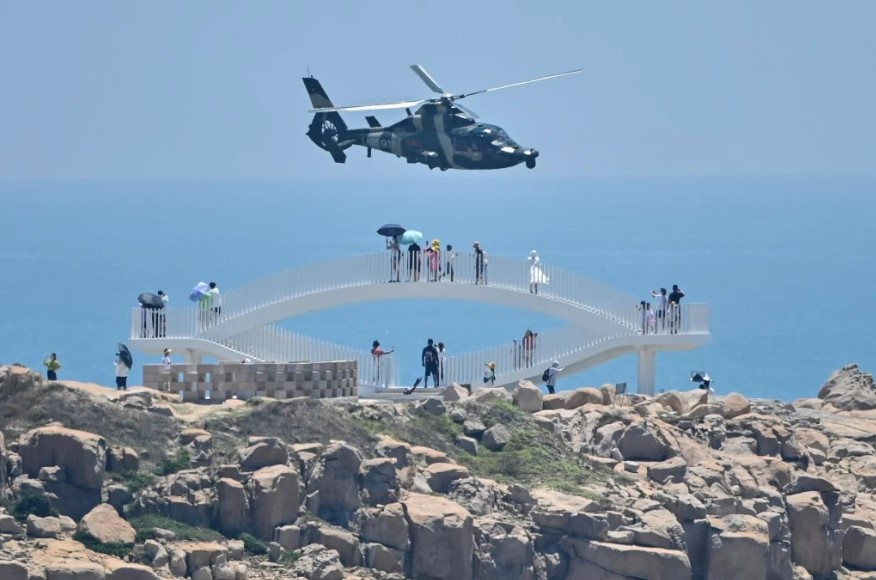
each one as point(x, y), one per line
point(217, 382)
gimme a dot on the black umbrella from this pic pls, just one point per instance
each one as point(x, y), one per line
point(125, 355)
point(151, 301)
point(391, 230)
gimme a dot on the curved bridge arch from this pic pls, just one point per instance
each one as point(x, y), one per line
point(604, 322)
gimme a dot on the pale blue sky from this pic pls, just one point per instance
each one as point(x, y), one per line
point(212, 90)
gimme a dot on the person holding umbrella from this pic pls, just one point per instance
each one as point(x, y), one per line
point(52, 365)
point(392, 233)
point(123, 363)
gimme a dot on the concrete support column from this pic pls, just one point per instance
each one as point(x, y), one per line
point(192, 357)
point(647, 371)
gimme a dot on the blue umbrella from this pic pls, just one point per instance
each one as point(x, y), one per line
point(411, 237)
point(200, 289)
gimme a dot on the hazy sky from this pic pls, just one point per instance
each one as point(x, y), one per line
point(212, 90)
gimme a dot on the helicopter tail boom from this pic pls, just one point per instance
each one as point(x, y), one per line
point(327, 130)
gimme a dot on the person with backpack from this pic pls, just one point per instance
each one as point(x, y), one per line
point(430, 363)
point(52, 366)
point(549, 376)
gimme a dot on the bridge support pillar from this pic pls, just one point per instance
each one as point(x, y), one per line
point(647, 371)
point(192, 357)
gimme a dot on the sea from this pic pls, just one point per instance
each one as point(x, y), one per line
point(785, 263)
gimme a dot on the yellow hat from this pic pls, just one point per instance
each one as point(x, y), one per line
point(492, 365)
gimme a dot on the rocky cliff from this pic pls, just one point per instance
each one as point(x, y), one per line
point(506, 483)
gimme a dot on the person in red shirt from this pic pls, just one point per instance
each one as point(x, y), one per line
point(378, 353)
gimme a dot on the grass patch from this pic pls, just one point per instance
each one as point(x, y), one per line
point(31, 502)
point(296, 421)
point(289, 557)
point(115, 549)
point(253, 545)
point(145, 527)
point(134, 481)
point(174, 463)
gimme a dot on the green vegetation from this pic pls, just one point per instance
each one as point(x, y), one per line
point(172, 464)
point(253, 545)
point(145, 527)
point(115, 549)
point(289, 557)
point(134, 481)
point(31, 502)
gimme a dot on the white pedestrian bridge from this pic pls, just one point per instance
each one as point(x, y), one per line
point(603, 322)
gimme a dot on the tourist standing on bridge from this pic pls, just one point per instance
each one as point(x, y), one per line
point(528, 346)
point(435, 261)
point(536, 276)
point(442, 358)
point(675, 308)
point(414, 262)
point(216, 300)
point(395, 260)
point(430, 364)
point(123, 367)
point(660, 310)
point(480, 264)
point(449, 261)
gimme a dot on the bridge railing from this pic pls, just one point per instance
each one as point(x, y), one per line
point(553, 283)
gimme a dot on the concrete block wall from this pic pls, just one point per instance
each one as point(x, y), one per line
point(217, 382)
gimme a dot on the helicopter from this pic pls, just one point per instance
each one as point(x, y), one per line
point(440, 133)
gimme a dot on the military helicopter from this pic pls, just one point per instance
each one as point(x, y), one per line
point(441, 133)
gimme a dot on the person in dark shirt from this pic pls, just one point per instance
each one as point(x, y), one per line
point(479, 264)
point(675, 308)
point(430, 363)
point(414, 262)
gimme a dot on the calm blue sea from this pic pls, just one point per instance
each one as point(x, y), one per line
point(786, 264)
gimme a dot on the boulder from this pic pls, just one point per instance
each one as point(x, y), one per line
point(488, 396)
point(429, 455)
point(379, 557)
point(341, 541)
point(336, 478)
point(440, 475)
point(553, 402)
point(232, 506)
point(458, 415)
point(316, 562)
point(640, 443)
point(442, 538)
point(584, 396)
point(431, 406)
point(813, 544)
point(104, 524)
point(13, 571)
point(496, 437)
point(812, 438)
point(467, 444)
point(119, 570)
point(397, 450)
point(736, 405)
point(859, 548)
point(528, 397)
point(618, 561)
point(69, 569)
point(82, 455)
point(657, 528)
point(263, 452)
point(380, 484)
point(120, 459)
point(155, 553)
point(199, 444)
point(738, 547)
point(849, 389)
point(288, 537)
point(386, 525)
point(672, 470)
point(274, 498)
point(454, 392)
point(674, 401)
point(473, 428)
point(47, 527)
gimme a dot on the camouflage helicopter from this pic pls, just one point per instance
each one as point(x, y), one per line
point(441, 133)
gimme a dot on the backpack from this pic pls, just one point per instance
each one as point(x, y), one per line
point(546, 375)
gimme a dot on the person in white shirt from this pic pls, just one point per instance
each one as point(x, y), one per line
point(215, 300)
point(660, 307)
point(161, 326)
point(122, 371)
point(552, 372)
point(166, 363)
point(449, 261)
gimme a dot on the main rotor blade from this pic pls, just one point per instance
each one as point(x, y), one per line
point(467, 111)
point(553, 76)
point(430, 82)
point(375, 107)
